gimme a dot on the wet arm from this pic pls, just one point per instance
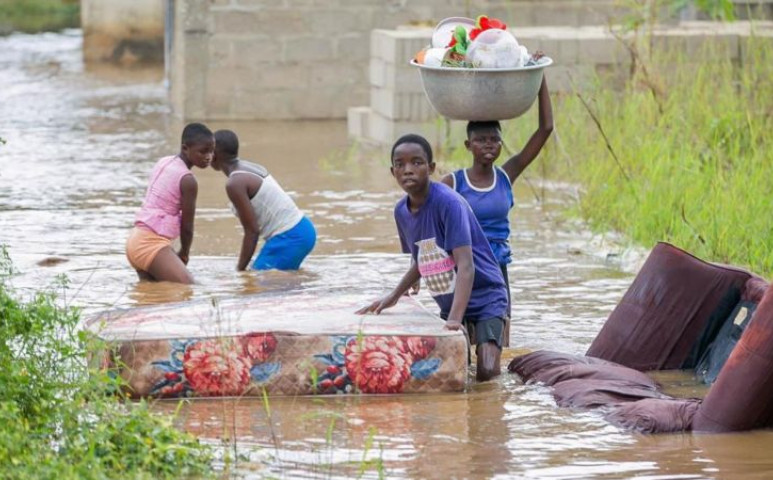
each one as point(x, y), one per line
point(189, 190)
point(411, 277)
point(448, 180)
point(518, 162)
point(465, 273)
point(239, 196)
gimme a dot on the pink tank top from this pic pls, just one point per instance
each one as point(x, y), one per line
point(161, 210)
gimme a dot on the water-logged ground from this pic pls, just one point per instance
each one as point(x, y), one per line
point(80, 143)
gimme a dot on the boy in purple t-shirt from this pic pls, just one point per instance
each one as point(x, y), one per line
point(450, 251)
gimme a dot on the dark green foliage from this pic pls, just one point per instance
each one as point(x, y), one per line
point(34, 16)
point(57, 418)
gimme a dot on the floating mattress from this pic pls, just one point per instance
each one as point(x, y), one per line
point(292, 344)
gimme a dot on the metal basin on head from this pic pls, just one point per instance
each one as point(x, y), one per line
point(482, 93)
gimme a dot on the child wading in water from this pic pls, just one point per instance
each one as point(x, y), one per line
point(488, 188)
point(264, 209)
point(168, 210)
point(450, 251)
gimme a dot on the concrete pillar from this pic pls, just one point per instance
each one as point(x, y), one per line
point(121, 31)
point(189, 62)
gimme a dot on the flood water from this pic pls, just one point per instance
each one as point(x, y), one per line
point(80, 143)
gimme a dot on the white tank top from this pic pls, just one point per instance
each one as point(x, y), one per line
point(275, 210)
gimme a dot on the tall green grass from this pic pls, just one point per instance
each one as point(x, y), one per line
point(33, 16)
point(688, 154)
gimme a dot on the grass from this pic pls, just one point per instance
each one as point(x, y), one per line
point(681, 154)
point(33, 16)
point(61, 419)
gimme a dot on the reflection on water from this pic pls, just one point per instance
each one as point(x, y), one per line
point(80, 145)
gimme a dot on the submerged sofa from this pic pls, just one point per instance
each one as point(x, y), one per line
point(680, 312)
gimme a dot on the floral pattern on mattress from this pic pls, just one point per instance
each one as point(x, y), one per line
point(281, 363)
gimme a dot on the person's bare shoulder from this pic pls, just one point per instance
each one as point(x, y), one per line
point(188, 183)
point(448, 179)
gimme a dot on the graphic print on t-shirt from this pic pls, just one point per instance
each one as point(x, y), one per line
point(436, 267)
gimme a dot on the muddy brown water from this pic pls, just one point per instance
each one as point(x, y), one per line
point(80, 143)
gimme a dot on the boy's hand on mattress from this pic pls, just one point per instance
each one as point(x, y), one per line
point(183, 257)
point(453, 325)
point(378, 305)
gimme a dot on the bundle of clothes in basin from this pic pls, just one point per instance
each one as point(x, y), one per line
point(679, 313)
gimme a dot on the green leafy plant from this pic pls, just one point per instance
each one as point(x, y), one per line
point(60, 418)
point(34, 16)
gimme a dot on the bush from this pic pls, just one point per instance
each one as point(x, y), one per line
point(59, 419)
point(32, 16)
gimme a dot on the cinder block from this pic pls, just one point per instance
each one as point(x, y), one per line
point(399, 105)
point(256, 50)
point(556, 14)
point(218, 103)
point(263, 3)
point(220, 52)
point(225, 21)
point(195, 15)
point(385, 131)
point(332, 21)
point(334, 74)
point(282, 76)
point(226, 79)
point(400, 46)
point(377, 72)
point(315, 104)
point(352, 48)
point(377, 38)
point(383, 101)
point(387, 45)
point(281, 22)
point(568, 51)
point(264, 104)
point(403, 78)
point(308, 49)
point(357, 121)
point(549, 46)
point(601, 50)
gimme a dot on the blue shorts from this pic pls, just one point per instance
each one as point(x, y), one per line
point(287, 250)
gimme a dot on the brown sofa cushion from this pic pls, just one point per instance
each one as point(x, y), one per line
point(655, 415)
point(670, 313)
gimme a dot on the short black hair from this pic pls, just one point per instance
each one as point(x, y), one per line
point(227, 142)
point(413, 138)
point(196, 132)
point(476, 126)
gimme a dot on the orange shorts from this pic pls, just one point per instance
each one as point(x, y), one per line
point(142, 246)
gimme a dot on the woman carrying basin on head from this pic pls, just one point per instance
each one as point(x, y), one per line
point(487, 187)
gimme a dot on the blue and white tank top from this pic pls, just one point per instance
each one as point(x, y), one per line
point(274, 209)
point(491, 206)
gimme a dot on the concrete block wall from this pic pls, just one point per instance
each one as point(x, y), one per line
point(311, 59)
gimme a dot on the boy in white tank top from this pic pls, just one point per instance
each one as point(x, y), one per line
point(264, 209)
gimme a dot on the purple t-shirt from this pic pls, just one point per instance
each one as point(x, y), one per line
point(443, 223)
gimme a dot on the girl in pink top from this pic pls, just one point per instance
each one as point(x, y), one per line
point(168, 210)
